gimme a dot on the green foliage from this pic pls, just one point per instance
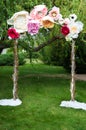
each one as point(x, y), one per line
point(54, 53)
point(80, 55)
point(8, 59)
point(67, 57)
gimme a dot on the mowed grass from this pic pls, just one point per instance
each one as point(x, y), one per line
point(41, 98)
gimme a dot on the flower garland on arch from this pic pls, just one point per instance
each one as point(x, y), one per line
point(41, 17)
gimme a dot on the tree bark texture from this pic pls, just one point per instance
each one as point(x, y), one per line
point(42, 45)
point(15, 74)
point(72, 85)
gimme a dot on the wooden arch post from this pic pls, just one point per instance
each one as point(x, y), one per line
point(15, 74)
point(72, 84)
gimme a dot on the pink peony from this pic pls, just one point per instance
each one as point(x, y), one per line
point(13, 34)
point(65, 30)
point(38, 12)
point(33, 27)
point(54, 13)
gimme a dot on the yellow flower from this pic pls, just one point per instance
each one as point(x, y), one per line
point(47, 22)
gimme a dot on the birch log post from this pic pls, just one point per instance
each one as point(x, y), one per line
point(72, 85)
point(15, 74)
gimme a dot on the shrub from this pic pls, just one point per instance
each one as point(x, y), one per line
point(53, 54)
point(8, 59)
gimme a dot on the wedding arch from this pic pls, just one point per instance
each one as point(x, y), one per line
point(30, 23)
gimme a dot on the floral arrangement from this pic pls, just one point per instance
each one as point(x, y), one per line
point(71, 28)
point(40, 17)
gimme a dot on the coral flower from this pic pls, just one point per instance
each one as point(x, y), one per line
point(33, 27)
point(38, 12)
point(47, 22)
point(54, 13)
point(65, 30)
point(12, 33)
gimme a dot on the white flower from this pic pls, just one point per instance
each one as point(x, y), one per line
point(75, 27)
point(80, 25)
point(19, 21)
point(68, 38)
point(72, 17)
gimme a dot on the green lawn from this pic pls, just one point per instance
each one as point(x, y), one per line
point(41, 97)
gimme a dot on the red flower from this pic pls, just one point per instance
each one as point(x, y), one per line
point(12, 33)
point(65, 30)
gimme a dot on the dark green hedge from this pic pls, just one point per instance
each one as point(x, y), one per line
point(80, 56)
point(8, 59)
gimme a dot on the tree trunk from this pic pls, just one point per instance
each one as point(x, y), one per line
point(15, 74)
point(72, 85)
